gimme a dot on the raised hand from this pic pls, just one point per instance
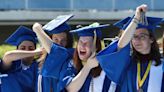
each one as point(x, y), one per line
point(37, 27)
point(92, 61)
point(39, 51)
point(43, 38)
point(139, 10)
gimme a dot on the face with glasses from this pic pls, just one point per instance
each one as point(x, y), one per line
point(141, 41)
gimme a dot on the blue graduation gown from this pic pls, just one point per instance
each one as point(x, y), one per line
point(129, 84)
point(49, 84)
point(113, 62)
point(15, 67)
point(66, 76)
point(111, 68)
point(21, 80)
point(70, 73)
point(54, 61)
point(71, 52)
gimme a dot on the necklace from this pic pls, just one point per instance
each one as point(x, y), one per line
point(141, 81)
point(92, 85)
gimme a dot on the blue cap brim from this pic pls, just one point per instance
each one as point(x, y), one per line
point(153, 23)
point(89, 30)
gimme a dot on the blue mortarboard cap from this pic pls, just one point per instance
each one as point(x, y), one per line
point(153, 23)
point(89, 30)
point(58, 24)
point(21, 34)
point(120, 24)
point(162, 20)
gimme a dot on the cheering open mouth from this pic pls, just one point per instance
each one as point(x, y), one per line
point(82, 52)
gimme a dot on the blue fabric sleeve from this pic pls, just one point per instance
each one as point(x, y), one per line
point(22, 81)
point(162, 63)
point(66, 77)
point(15, 67)
point(71, 52)
point(10, 84)
point(54, 61)
point(114, 62)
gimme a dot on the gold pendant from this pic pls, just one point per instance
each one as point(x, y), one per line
point(140, 90)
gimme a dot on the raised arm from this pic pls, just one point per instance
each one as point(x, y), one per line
point(129, 31)
point(43, 37)
point(13, 55)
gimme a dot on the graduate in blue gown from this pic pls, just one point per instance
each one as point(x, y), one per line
point(18, 67)
point(58, 42)
point(145, 72)
point(85, 73)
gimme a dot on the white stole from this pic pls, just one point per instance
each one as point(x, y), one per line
point(155, 78)
point(98, 83)
point(112, 87)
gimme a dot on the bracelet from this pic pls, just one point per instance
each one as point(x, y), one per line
point(135, 20)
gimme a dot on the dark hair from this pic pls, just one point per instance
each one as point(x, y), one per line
point(30, 41)
point(69, 40)
point(154, 52)
point(78, 64)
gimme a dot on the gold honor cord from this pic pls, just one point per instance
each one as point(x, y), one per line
point(141, 81)
point(95, 37)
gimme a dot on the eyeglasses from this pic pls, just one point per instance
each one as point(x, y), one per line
point(142, 36)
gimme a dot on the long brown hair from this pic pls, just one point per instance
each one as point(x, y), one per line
point(78, 63)
point(154, 52)
point(163, 44)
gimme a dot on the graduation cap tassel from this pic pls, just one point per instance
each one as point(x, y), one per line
point(146, 21)
point(94, 43)
point(143, 19)
point(40, 83)
point(94, 37)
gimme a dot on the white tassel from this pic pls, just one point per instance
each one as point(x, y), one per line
point(40, 83)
